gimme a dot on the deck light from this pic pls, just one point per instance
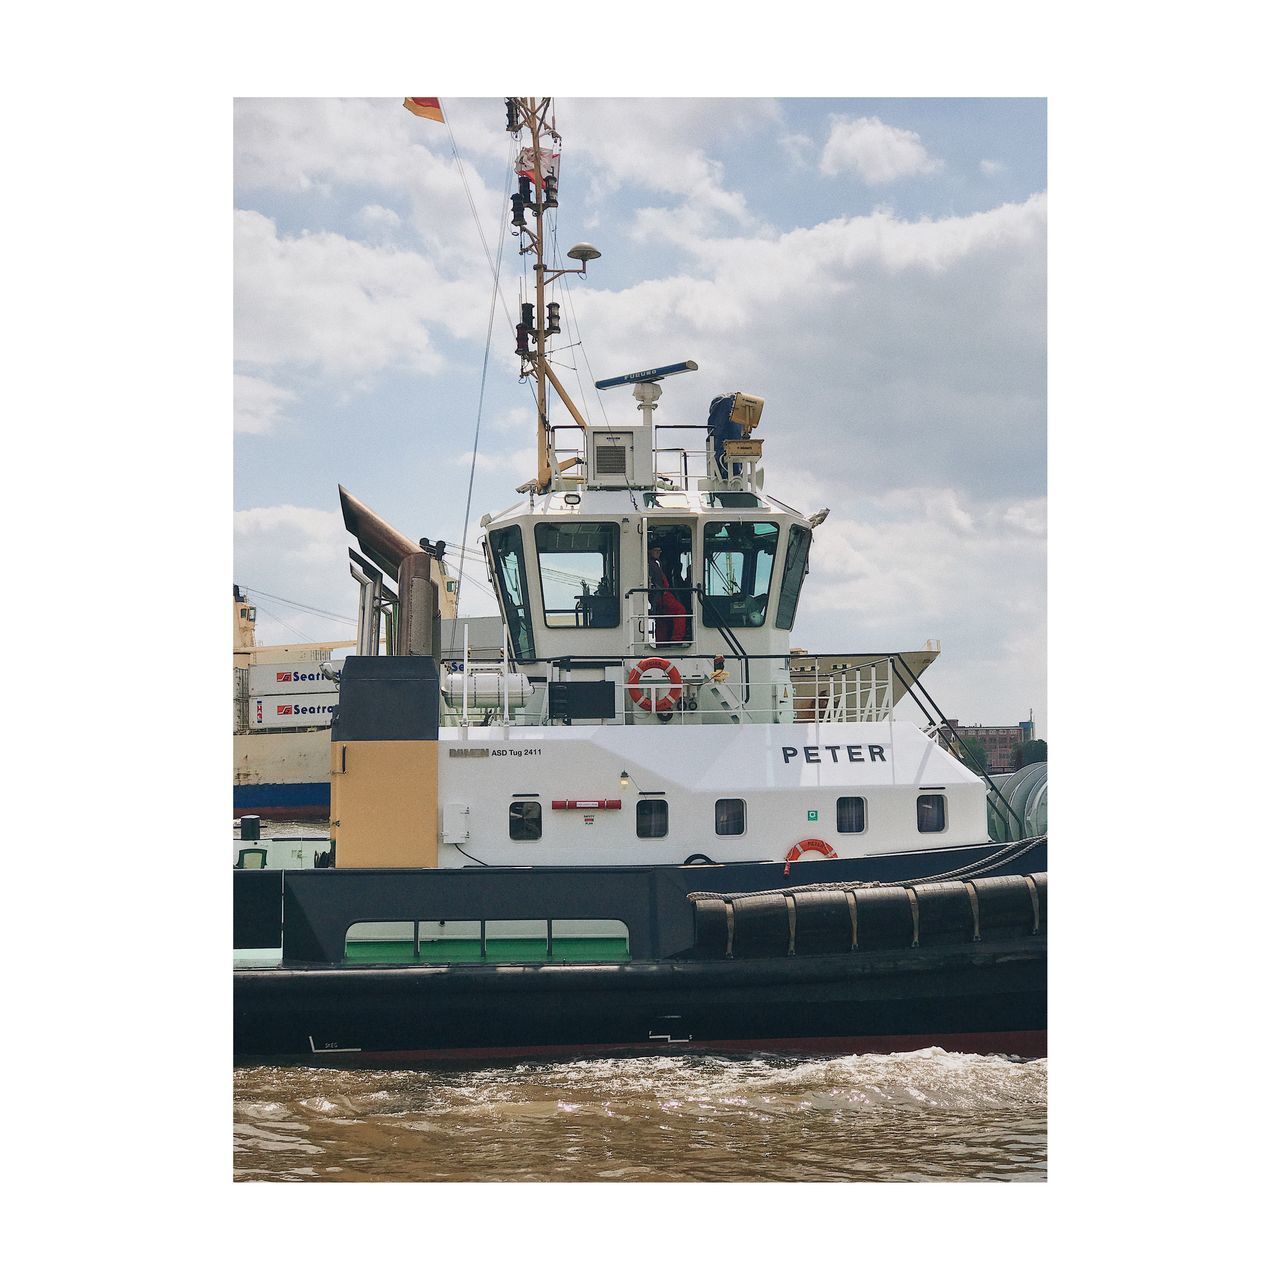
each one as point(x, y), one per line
point(584, 253)
point(624, 779)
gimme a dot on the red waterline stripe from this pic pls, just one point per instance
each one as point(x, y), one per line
point(1025, 1044)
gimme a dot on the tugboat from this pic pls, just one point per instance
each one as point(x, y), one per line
point(629, 815)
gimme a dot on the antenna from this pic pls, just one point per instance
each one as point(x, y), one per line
point(648, 375)
point(537, 168)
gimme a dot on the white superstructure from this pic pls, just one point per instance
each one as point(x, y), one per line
point(647, 704)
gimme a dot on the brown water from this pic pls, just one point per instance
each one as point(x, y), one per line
point(898, 1117)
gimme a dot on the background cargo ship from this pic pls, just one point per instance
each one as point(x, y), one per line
point(283, 707)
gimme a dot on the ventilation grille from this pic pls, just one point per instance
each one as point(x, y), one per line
point(611, 460)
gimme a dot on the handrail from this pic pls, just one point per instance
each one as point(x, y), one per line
point(955, 739)
point(732, 640)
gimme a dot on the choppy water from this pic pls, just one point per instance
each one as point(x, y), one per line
point(898, 1117)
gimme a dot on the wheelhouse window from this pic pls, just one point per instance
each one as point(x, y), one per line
point(851, 814)
point(578, 567)
point(794, 568)
point(738, 558)
point(651, 819)
point(513, 585)
point(931, 813)
point(731, 817)
point(525, 820)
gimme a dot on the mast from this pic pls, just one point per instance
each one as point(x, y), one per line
point(538, 181)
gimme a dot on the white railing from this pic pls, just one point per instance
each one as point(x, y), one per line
point(846, 696)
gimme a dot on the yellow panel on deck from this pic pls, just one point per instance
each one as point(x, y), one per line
point(383, 801)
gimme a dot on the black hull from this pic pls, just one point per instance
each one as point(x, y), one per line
point(960, 965)
point(980, 997)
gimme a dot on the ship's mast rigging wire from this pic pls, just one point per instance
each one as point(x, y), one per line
point(295, 604)
point(496, 265)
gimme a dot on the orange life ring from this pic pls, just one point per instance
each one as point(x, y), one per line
point(802, 847)
point(663, 704)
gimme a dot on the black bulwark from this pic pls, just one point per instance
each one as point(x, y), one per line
point(388, 700)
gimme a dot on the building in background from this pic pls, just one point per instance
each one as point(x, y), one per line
point(998, 741)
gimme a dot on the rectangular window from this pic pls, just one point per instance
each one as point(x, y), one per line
point(731, 817)
point(737, 558)
point(851, 814)
point(488, 942)
point(651, 819)
point(931, 813)
point(578, 568)
point(525, 820)
point(513, 585)
point(794, 569)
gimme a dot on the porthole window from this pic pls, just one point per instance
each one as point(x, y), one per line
point(731, 817)
point(851, 814)
point(525, 820)
point(651, 819)
point(931, 813)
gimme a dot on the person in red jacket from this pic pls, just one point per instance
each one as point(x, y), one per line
point(670, 617)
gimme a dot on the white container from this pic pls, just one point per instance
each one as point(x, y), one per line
point(292, 710)
point(286, 679)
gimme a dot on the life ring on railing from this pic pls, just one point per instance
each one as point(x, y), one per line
point(801, 847)
point(668, 701)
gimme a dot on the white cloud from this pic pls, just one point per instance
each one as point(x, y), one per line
point(896, 574)
point(377, 218)
point(259, 405)
point(991, 167)
point(866, 336)
point(299, 553)
point(662, 144)
point(321, 299)
point(799, 148)
point(522, 462)
point(875, 151)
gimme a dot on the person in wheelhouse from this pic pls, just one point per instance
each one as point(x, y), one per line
point(671, 617)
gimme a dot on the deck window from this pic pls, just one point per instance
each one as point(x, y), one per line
point(931, 813)
point(513, 585)
point(488, 942)
point(738, 558)
point(525, 820)
point(578, 566)
point(851, 814)
point(794, 569)
point(651, 819)
point(731, 817)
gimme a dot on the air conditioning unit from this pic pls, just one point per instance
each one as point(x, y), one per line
point(613, 461)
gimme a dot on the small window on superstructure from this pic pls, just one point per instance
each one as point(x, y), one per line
point(525, 820)
point(851, 814)
point(651, 819)
point(931, 813)
point(731, 817)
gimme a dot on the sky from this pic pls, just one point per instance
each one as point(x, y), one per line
point(873, 268)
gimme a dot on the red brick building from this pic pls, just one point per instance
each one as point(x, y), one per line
point(998, 741)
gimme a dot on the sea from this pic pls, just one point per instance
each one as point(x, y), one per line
point(926, 1116)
